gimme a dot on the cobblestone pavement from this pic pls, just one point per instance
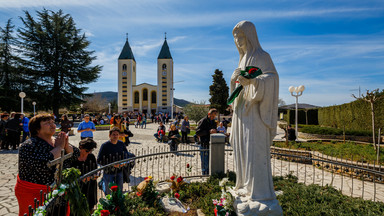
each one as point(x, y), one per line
point(143, 138)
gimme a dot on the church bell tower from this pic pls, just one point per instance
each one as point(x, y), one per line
point(164, 79)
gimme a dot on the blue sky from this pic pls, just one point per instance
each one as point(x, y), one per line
point(331, 47)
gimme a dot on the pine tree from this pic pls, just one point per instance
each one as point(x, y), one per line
point(57, 59)
point(9, 74)
point(219, 92)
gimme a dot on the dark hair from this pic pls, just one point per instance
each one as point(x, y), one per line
point(65, 117)
point(117, 116)
point(113, 130)
point(34, 123)
point(87, 143)
point(4, 115)
point(212, 111)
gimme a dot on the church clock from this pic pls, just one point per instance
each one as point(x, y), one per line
point(164, 73)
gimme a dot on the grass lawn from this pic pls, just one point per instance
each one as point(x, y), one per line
point(346, 150)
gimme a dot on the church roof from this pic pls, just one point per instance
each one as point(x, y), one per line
point(126, 53)
point(164, 52)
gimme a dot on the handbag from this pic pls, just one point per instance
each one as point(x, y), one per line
point(128, 132)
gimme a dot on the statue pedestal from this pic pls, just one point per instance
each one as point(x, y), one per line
point(244, 206)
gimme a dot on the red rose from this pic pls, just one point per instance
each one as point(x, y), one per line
point(114, 188)
point(105, 213)
point(138, 193)
point(180, 179)
point(252, 70)
point(145, 178)
point(173, 178)
point(177, 195)
point(187, 165)
point(117, 208)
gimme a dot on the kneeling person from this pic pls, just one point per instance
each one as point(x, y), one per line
point(111, 151)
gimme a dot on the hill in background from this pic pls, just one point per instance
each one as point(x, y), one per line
point(111, 96)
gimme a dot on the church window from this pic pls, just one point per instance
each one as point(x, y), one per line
point(164, 67)
point(124, 82)
point(164, 95)
point(153, 97)
point(124, 99)
point(136, 97)
point(164, 90)
point(164, 99)
point(165, 82)
point(164, 104)
point(134, 69)
point(124, 77)
point(125, 107)
point(124, 67)
point(164, 77)
point(145, 95)
point(124, 90)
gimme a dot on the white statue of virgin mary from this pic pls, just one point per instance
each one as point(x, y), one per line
point(254, 124)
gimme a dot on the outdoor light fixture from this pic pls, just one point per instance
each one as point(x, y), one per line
point(299, 91)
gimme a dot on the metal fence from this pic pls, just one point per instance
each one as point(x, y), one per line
point(357, 179)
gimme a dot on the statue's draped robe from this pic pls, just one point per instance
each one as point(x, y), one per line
point(253, 126)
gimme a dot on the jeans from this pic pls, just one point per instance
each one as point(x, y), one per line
point(159, 137)
point(184, 137)
point(204, 155)
point(144, 123)
point(116, 178)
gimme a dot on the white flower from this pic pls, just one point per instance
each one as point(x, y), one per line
point(223, 182)
point(40, 214)
point(63, 186)
point(55, 192)
point(61, 193)
point(42, 208)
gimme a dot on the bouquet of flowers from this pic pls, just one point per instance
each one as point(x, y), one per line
point(176, 184)
point(112, 204)
point(249, 73)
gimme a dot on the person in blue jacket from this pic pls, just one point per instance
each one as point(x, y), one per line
point(25, 122)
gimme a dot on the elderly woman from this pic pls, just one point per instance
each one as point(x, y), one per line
point(185, 130)
point(34, 174)
point(86, 162)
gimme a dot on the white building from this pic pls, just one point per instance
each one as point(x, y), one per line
point(145, 97)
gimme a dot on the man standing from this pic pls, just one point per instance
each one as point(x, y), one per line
point(205, 128)
point(86, 128)
point(3, 134)
point(25, 122)
point(111, 151)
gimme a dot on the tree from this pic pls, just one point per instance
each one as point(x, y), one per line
point(57, 58)
point(196, 111)
point(9, 78)
point(371, 97)
point(95, 103)
point(281, 102)
point(219, 92)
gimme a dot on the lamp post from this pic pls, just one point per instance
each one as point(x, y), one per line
point(22, 96)
point(34, 110)
point(81, 109)
point(172, 89)
point(109, 108)
point(299, 91)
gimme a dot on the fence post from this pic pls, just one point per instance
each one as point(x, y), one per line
point(216, 154)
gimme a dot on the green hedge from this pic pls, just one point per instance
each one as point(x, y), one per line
point(354, 116)
point(313, 129)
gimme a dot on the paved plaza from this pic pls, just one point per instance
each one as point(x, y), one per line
point(143, 139)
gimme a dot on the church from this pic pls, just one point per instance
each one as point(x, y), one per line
point(144, 97)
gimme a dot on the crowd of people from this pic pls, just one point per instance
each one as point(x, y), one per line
point(40, 146)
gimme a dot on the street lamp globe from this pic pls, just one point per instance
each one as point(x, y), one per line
point(22, 94)
point(81, 105)
point(34, 103)
point(291, 89)
point(301, 88)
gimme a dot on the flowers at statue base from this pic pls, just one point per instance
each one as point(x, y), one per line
point(224, 206)
point(112, 204)
point(104, 213)
point(177, 182)
point(177, 195)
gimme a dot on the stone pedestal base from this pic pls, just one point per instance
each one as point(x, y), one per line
point(246, 207)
